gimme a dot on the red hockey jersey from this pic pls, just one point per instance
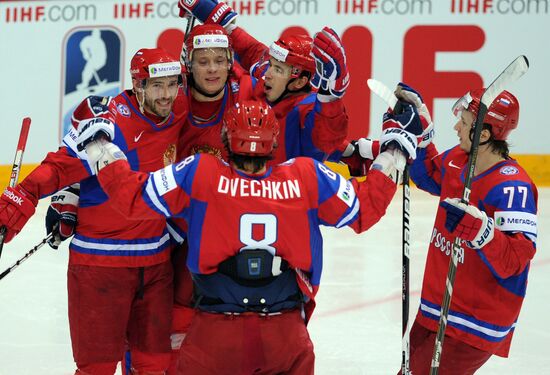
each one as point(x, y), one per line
point(227, 211)
point(308, 127)
point(103, 236)
point(490, 283)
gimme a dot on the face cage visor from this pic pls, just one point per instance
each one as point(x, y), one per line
point(281, 54)
point(461, 105)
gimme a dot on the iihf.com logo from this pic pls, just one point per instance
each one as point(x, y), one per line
point(92, 65)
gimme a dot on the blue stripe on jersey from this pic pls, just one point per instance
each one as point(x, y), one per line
point(254, 81)
point(196, 209)
point(328, 182)
point(419, 174)
point(514, 284)
point(91, 193)
point(307, 147)
point(510, 196)
point(466, 323)
point(316, 247)
point(153, 199)
point(184, 172)
point(138, 113)
point(116, 247)
point(302, 145)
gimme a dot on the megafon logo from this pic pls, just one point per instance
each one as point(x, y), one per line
point(92, 65)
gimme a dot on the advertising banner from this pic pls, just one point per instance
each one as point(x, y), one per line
point(55, 53)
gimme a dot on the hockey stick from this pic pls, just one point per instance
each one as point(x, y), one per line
point(189, 27)
point(16, 167)
point(514, 71)
point(28, 254)
point(382, 91)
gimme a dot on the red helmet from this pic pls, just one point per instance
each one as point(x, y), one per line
point(206, 36)
point(252, 128)
point(502, 114)
point(294, 50)
point(155, 62)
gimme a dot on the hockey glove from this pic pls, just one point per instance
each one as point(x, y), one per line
point(467, 222)
point(332, 74)
point(359, 155)
point(16, 208)
point(410, 95)
point(101, 153)
point(61, 216)
point(391, 163)
point(210, 11)
point(401, 130)
point(94, 128)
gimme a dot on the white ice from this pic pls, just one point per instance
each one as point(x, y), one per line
point(356, 327)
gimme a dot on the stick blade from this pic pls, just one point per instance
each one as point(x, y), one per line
point(382, 91)
point(512, 73)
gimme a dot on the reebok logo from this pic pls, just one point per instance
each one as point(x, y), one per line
point(12, 197)
point(136, 138)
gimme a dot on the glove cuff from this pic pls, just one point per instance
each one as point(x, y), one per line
point(405, 140)
point(102, 153)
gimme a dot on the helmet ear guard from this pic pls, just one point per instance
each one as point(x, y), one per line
point(502, 114)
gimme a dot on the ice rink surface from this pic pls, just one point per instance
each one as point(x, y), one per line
point(356, 328)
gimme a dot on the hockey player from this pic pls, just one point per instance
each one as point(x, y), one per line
point(498, 231)
point(312, 119)
point(312, 124)
point(120, 279)
point(252, 273)
point(216, 83)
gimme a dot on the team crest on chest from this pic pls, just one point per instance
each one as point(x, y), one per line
point(169, 156)
point(509, 170)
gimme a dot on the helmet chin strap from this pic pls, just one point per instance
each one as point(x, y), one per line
point(285, 91)
point(142, 102)
point(471, 136)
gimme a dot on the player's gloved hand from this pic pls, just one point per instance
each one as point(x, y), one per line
point(101, 153)
point(210, 11)
point(93, 106)
point(401, 129)
point(359, 155)
point(92, 129)
point(392, 163)
point(16, 207)
point(61, 216)
point(332, 75)
point(408, 94)
point(468, 223)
